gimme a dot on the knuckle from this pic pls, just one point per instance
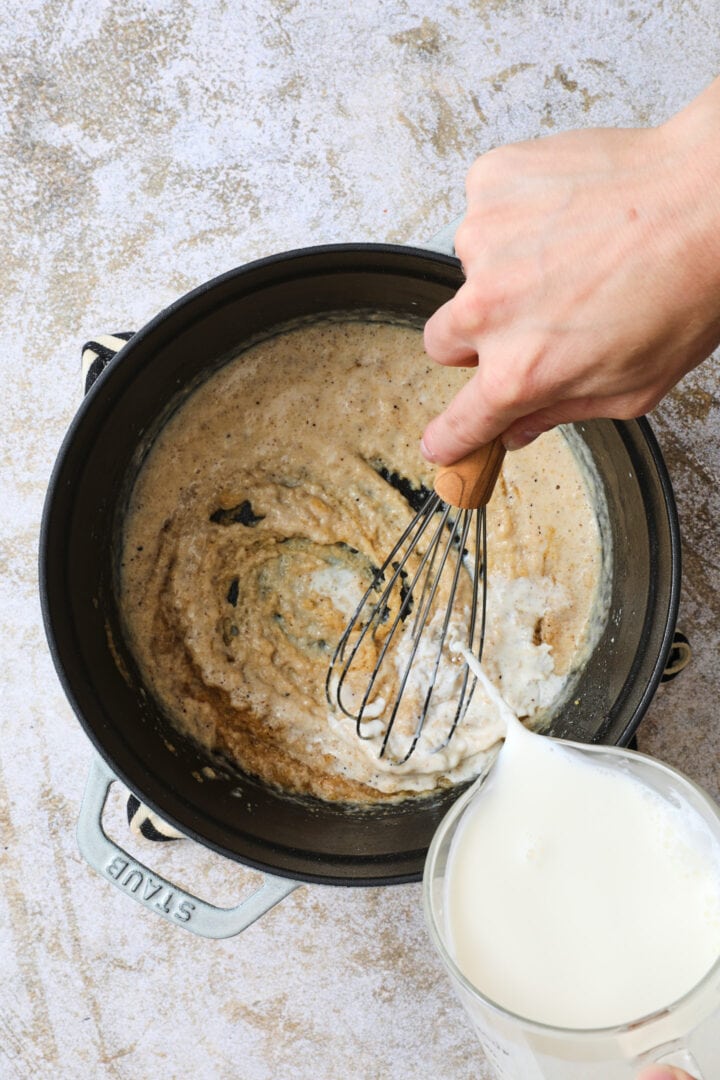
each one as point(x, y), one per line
point(484, 166)
point(468, 312)
point(469, 241)
point(623, 411)
point(503, 386)
point(627, 408)
point(464, 241)
point(475, 173)
point(492, 171)
point(497, 290)
point(514, 380)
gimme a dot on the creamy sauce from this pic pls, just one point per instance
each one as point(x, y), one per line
point(257, 520)
point(576, 895)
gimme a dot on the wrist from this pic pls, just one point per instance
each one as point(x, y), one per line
point(689, 145)
point(694, 129)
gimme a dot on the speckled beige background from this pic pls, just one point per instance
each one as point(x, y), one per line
point(145, 147)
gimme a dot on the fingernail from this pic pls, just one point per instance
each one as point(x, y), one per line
point(658, 1072)
point(426, 451)
point(516, 440)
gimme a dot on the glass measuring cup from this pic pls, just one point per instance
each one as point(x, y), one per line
point(686, 1033)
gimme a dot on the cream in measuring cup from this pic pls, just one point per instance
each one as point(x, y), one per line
point(575, 894)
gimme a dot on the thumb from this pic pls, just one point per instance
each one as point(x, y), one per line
point(663, 1072)
point(468, 422)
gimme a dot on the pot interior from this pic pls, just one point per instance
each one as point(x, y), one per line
point(232, 813)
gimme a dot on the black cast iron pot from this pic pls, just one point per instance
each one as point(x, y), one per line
point(296, 839)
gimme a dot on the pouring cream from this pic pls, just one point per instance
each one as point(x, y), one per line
point(576, 895)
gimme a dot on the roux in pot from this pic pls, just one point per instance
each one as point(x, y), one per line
point(258, 518)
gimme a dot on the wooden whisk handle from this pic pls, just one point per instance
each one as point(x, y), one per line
point(469, 482)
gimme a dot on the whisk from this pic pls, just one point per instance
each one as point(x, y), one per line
point(405, 637)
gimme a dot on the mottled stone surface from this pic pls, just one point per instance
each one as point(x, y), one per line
point(146, 147)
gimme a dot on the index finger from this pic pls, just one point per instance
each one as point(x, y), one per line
point(446, 339)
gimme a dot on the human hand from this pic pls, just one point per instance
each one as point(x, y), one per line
point(592, 263)
point(663, 1072)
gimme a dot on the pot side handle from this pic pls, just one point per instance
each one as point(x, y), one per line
point(152, 890)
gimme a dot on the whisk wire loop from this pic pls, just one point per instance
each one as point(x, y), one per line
point(458, 538)
point(379, 607)
point(430, 587)
point(397, 622)
point(479, 574)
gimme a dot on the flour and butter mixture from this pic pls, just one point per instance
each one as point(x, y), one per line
point(258, 519)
